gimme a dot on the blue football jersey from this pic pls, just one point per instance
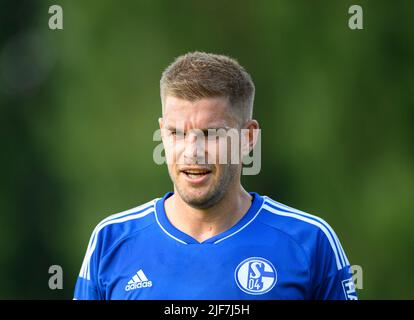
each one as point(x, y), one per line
point(272, 252)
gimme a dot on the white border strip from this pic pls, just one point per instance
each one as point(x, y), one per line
point(241, 228)
point(162, 228)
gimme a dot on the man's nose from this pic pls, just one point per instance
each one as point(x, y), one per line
point(194, 148)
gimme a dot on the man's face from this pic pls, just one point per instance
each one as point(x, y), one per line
point(192, 155)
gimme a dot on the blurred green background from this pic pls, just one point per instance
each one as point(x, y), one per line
point(78, 108)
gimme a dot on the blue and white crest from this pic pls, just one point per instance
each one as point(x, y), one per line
point(255, 275)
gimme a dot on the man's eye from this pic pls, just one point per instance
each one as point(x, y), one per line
point(177, 133)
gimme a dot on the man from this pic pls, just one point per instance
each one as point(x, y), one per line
point(210, 238)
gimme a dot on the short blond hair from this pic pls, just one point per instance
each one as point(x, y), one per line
point(198, 75)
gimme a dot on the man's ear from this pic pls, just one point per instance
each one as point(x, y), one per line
point(161, 124)
point(250, 136)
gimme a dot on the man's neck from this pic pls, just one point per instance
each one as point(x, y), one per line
point(202, 224)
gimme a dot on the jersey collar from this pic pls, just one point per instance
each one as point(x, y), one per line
point(178, 235)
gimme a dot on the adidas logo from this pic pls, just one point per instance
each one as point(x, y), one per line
point(139, 280)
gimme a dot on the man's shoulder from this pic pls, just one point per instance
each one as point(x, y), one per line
point(290, 219)
point(311, 232)
point(114, 229)
point(123, 224)
point(306, 229)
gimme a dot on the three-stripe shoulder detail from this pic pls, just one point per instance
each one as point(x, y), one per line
point(131, 214)
point(283, 210)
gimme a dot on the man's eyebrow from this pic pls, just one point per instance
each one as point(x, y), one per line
point(170, 127)
point(215, 128)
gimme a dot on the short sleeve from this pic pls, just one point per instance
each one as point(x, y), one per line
point(332, 277)
point(338, 286)
point(87, 287)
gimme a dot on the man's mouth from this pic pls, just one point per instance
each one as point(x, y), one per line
point(196, 173)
